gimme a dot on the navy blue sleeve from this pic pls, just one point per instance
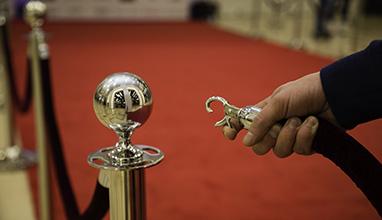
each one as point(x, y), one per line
point(353, 86)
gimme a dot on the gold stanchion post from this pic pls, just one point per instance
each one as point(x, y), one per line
point(38, 50)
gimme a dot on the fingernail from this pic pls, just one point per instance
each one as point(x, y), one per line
point(313, 123)
point(248, 139)
point(293, 123)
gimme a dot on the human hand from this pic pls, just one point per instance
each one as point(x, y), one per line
point(304, 98)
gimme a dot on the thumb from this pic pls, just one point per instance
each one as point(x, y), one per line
point(263, 122)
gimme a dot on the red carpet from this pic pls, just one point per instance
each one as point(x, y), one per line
point(203, 175)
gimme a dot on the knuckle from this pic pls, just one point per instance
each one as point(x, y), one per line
point(259, 150)
point(291, 126)
point(275, 131)
point(248, 144)
point(302, 148)
point(280, 153)
point(278, 89)
point(299, 150)
point(303, 152)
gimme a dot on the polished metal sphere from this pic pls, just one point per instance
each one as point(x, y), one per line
point(35, 12)
point(122, 100)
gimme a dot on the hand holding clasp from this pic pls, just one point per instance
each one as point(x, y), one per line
point(244, 115)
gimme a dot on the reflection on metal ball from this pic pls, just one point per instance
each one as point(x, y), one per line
point(122, 101)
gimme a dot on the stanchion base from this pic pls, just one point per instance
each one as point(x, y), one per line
point(25, 159)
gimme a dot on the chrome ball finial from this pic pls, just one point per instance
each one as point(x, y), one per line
point(122, 102)
point(34, 13)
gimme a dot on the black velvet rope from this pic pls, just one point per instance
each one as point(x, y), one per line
point(353, 159)
point(99, 204)
point(22, 105)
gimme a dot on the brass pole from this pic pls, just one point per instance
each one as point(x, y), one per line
point(41, 141)
point(127, 195)
point(37, 50)
point(6, 102)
